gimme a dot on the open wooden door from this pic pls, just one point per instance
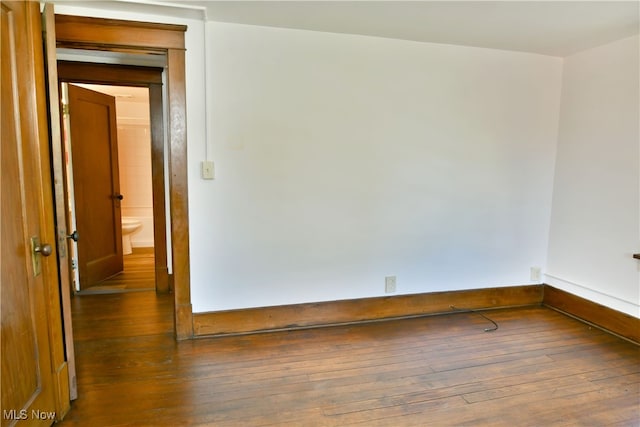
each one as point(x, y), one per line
point(34, 378)
point(60, 194)
point(94, 147)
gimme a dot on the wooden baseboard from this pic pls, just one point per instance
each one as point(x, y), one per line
point(360, 310)
point(140, 250)
point(606, 318)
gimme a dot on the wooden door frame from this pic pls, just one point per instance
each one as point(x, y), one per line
point(76, 32)
point(151, 78)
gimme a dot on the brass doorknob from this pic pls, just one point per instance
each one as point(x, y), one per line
point(44, 249)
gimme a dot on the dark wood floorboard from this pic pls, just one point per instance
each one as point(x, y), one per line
point(540, 368)
point(138, 275)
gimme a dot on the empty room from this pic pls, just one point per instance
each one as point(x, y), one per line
point(376, 213)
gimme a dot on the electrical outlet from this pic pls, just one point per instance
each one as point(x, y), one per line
point(207, 170)
point(536, 274)
point(390, 284)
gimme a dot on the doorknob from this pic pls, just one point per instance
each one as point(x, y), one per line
point(118, 196)
point(43, 249)
point(74, 236)
point(38, 248)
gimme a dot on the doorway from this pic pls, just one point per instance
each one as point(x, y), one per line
point(135, 190)
point(148, 80)
point(146, 84)
point(103, 36)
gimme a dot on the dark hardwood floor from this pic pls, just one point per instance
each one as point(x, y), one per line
point(540, 368)
point(138, 275)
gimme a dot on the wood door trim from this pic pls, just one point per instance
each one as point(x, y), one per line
point(117, 35)
point(76, 31)
point(150, 77)
point(123, 75)
point(158, 189)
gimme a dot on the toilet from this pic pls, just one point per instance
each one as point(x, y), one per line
point(129, 227)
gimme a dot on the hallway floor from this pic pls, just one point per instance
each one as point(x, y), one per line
point(138, 275)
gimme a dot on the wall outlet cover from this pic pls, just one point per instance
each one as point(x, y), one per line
point(390, 284)
point(536, 274)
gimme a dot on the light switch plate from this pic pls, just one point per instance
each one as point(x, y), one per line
point(207, 170)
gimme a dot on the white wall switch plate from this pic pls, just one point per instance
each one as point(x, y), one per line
point(207, 170)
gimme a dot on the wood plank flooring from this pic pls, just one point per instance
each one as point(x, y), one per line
point(540, 368)
point(138, 275)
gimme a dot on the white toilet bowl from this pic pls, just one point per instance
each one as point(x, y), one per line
point(129, 227)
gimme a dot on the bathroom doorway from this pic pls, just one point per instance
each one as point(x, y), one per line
point(127, 218)
point(137, 92)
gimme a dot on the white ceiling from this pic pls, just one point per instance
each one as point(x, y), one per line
point(548, 27)
point(557, 28)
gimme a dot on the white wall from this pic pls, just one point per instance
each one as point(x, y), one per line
point(134, 158)
point(134, 161)
point(343, 159)
point(595, 218)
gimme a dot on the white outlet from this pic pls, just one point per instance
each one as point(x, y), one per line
point(207, 170)
point(536, 274)
point(390, 284)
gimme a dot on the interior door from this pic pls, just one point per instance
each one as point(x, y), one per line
point(27, 377)
point(94, 149)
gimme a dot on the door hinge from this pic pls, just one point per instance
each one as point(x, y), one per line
point(65, 109)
